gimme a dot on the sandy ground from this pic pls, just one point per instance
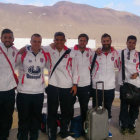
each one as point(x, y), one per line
point(114, 127)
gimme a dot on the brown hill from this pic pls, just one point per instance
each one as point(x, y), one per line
point(70, 18)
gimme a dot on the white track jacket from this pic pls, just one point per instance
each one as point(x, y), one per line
point(84, 63)
point(66, 73)
point(31, 72)
point(7, 81)
point(104, 69)
point(131, 67)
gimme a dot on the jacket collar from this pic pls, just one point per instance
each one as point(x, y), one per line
point(76, 48)
point(4, 48)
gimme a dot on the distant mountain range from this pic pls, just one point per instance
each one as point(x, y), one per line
point(70, 18)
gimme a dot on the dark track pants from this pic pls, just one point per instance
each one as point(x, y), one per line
point(83, 94)
point(108, 99)
point(128, 114)
point(55, 97)
point(7, 102)
point(29, 113)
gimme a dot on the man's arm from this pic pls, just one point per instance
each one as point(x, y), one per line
point(75, 75)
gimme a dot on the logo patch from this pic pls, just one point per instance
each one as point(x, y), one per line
point(13, 54)
point(41, 60)
point(87, 55)
point(134, 60)
point(30, 61)
point(112, 58)
point(66, 56)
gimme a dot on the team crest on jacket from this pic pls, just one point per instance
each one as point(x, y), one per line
point(66, 56)
point(13, 54)
point(87, 55)
point(112, 58)
point(41, 60)
point(134, 60)
point(30, 61)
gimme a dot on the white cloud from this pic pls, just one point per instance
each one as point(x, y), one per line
point(15, 1)
point(37, 3)
point(52, 2)
point(137, 2)
point(119, 6)
point(109, 5)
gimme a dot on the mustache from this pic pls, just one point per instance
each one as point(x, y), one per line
point(8, 42)
point(107, 45)
point(9, 45)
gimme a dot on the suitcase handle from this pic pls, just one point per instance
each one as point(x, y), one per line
point(99, 82)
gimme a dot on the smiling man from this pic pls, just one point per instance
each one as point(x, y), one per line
point(83, 55)
point(7, 82)
point(129, 112)
point(62, 86)
point(31, 89)
point(104, 70)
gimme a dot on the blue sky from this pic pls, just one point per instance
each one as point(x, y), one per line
point(132, 6)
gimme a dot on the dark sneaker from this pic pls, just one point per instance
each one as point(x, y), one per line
point(132, 131)
point(124, 131)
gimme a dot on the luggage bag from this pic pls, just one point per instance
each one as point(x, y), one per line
point(96, 124)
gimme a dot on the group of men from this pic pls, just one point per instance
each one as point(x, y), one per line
point(69, 76)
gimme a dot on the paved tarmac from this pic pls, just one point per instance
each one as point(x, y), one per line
point(114, 129)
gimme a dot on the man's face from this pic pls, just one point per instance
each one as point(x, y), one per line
point(131, 44)
point(36, 42)
point(82, 42)
point(7, 39)
point(106, 42)
point(59, 42)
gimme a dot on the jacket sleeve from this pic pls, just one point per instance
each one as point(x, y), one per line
point(75, 71)
point(138, 64)
point(17, 60)
point(117, 60)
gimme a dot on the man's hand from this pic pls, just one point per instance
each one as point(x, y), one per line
point(98, 51)
point(74, 90)
point(134, 76)
point(22, 50)
point(52, 45)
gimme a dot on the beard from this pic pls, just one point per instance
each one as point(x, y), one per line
point(8, 44)
point(106, 47)
point(81, 47)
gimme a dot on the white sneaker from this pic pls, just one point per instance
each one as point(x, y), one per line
point(69, 138)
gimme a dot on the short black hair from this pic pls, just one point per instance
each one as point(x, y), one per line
point(83, 35)
point(105, 35)
point(36, 35)
point(6, 31)
point(59, 34)
point(131, 37)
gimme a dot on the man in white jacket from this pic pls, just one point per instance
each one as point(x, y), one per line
point(31, 89)
point(83, 55)
point(129, 113)
point(104, 70)
point(61, 88)
point(7, 82)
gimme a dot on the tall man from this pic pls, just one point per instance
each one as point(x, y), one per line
point(83, 55)
point(31, 89)
point(61, 88)
point(129, 113)
point(7, 82)
point(104, 70)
